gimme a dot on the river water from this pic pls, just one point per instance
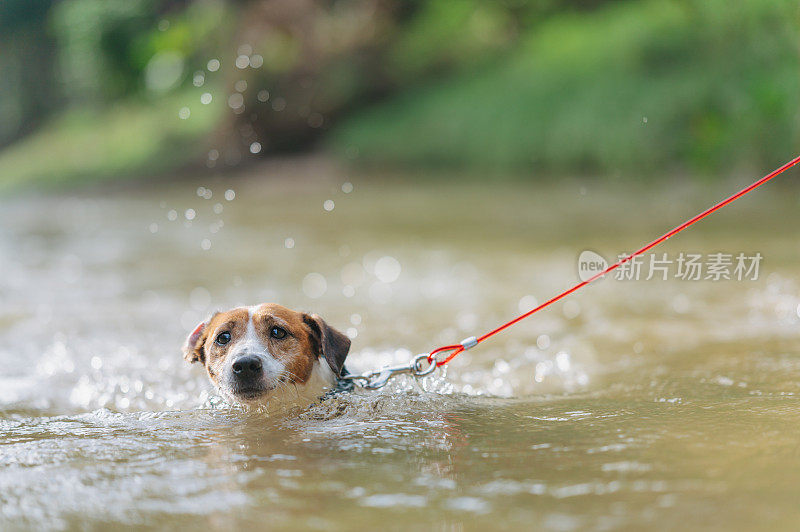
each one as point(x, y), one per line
point(658, 404)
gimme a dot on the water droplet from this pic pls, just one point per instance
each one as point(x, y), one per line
point(242, 61)
point(501, 366)
point(256, 61)
point(347, 187)
point(153, 228)
point(351, 332)
point(206, 98)
point(230, 194)
point(526, 303)
point(164, 71)
point(288, 243)
point(190, 214)
point(172, 215)
point(235, 100)
point(198, 79)
point(562, 361)
point(328, 205)
point(387, 269)
point(543, 342)
point(255, 148)
point(213, 65)
point(240, 85)
point(355, 319)
point(213, 155)
point(681, 304)
point(263, 95)
point(314, 285)
point(218, 208)
point(205, 244)
point(184, 113)
point(279, 104)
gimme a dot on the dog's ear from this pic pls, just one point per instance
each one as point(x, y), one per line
point(193, 346)
point(331, 344)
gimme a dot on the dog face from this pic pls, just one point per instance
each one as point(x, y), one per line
point(268, 353)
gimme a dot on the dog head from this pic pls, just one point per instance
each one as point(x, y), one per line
point(257, 354)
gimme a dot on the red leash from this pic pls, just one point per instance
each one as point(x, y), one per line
point(472, 341)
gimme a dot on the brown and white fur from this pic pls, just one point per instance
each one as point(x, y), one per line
point(269, 355)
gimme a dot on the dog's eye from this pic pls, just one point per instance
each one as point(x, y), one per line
point(223, 338)
point(277, 332)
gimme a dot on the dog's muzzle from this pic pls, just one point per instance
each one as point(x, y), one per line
point(248, 377)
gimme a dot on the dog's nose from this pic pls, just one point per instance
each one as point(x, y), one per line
point(247, 366)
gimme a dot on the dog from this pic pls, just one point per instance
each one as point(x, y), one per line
point(269, 356)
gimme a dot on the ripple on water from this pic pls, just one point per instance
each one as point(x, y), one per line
point(630, 406)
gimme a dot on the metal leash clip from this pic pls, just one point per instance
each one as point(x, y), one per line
point(372, 380)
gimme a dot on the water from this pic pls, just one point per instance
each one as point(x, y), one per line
point(658, 404)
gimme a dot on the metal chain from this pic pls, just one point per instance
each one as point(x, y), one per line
point(372, 380)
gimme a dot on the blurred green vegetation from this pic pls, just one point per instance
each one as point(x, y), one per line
point(634, 87)
point(98, 111)
point(130, 140)
point(103, 89)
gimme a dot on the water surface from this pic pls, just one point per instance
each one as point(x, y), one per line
point(658, 404)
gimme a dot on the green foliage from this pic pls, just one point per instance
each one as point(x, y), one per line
point(633, 87)
point(116, 124)
point(105, 45)
point(557, 86)
point(453, 33)
point(131, 139)
point(22, 13)
point(197, 32)
point(94, 45)
point(25, 94)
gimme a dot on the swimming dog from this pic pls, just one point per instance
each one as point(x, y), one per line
point(269, 355)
